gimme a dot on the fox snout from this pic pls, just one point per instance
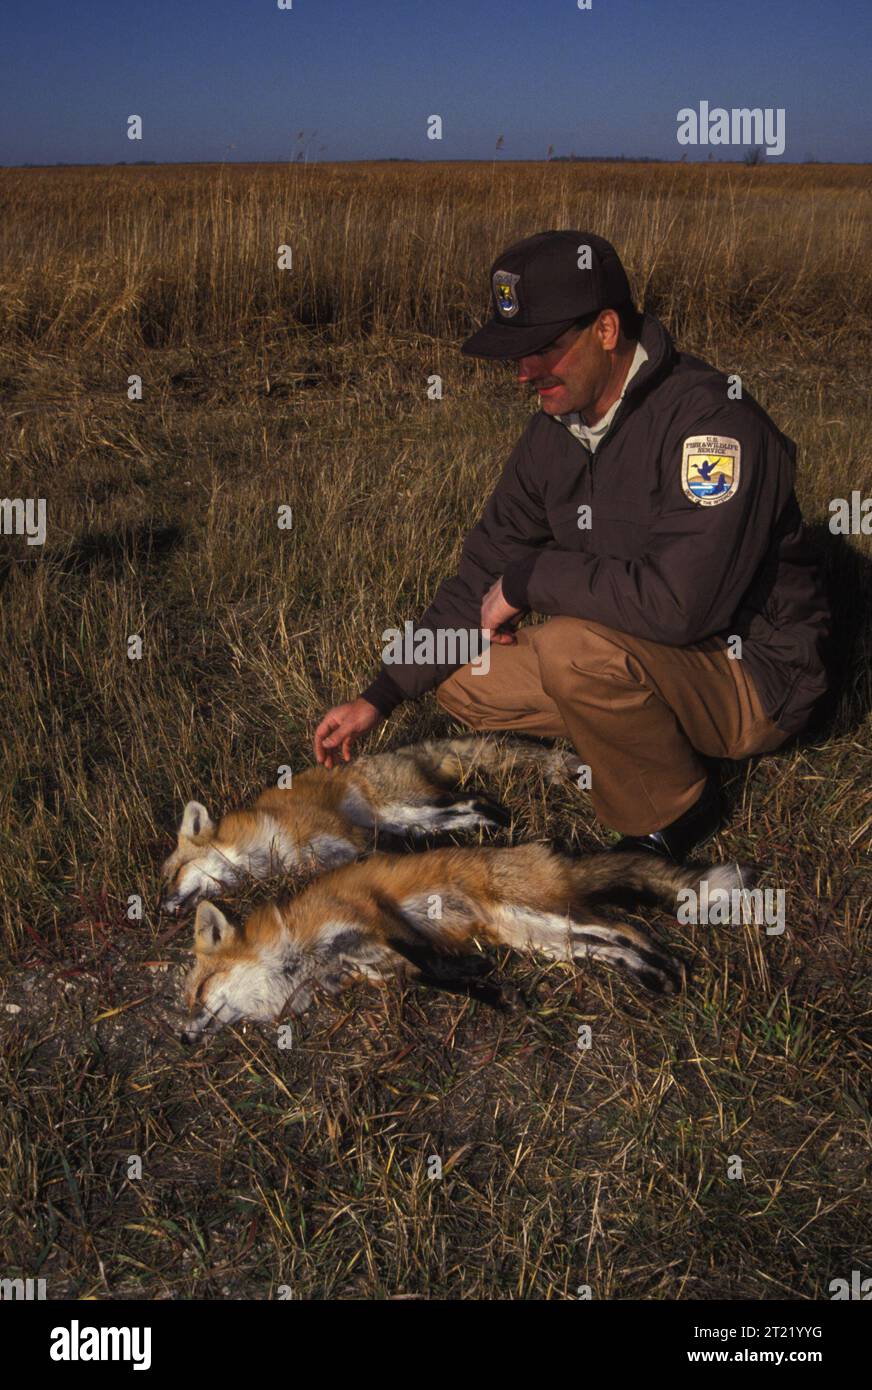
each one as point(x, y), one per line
point(203, 1021)
point(192, 1031)
point(173, 901)
point(193, 884)
point(196, 1025)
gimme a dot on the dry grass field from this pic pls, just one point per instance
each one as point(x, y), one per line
point(306, 1169)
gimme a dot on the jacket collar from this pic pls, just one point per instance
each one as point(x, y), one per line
point(660, 348)
point(657, 342)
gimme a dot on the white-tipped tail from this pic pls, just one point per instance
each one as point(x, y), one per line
point(728, 877)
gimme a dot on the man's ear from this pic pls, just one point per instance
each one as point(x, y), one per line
point(197, 825)
point(608, 329)
point(212, 931)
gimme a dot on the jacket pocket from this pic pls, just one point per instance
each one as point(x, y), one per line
point(615, 533)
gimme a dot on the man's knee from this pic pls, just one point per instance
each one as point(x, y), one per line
point(451, 697)
point(569, 647)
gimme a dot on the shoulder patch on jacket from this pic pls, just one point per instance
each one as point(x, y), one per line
point(710, 468)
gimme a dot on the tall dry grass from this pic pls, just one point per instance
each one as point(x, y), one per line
point(125, 258)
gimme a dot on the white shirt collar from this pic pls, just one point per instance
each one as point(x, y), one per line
point(590, 435)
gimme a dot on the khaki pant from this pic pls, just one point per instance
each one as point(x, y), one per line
point(636, 712)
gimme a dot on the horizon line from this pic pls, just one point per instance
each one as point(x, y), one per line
point(763, 162)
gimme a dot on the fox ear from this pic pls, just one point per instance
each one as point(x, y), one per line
point(212, 931)
point(197, 824)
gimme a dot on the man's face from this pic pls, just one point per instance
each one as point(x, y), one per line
point(569, 374)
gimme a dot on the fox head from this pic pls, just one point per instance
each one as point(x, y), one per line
point(253, 971)
point(198, 867)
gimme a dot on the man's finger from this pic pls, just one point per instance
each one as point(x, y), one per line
point(323, 742)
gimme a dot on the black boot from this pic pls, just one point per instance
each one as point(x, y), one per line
point(697, 823)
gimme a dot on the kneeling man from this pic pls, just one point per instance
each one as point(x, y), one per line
point(648, 511)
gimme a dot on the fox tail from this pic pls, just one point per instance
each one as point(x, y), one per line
point(449, 759)
point(650, 873)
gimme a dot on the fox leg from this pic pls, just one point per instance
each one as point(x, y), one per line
point(559, 936)
point(567, 938)
point(421, 811)
point(343, 951)
point(443, 813)
point(441, 967)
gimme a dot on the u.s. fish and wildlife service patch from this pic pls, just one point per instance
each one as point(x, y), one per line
point(505, 293)
point(710, 468)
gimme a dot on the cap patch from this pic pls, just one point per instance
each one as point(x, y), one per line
point(710, 468)
point(505, 294)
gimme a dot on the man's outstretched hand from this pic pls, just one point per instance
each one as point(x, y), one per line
point(340, 727)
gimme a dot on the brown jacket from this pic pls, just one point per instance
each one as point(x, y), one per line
point(682, 544)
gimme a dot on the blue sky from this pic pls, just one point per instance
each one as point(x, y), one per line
point(237, 79)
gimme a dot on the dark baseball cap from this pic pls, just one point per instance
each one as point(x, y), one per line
point(541, 286)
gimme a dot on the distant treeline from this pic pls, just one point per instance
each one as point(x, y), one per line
point(77, 164)
point(405, 159)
